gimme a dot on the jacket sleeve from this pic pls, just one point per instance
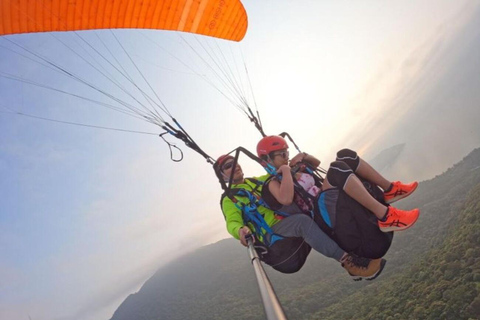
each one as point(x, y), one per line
point(233, 217)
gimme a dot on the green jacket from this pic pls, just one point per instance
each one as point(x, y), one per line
point(233, 215)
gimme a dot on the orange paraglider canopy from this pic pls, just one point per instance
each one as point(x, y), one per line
point(224, 19)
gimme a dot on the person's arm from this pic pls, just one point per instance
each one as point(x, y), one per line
point(233, 217)
point(268, 197)
point(282, 190)
point(305, 157)
point(234, 221)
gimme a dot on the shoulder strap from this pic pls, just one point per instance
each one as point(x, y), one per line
point(229, 193)
point(251, 214)
point(256, 182)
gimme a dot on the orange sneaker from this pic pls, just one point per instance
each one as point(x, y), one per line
point(397, 220)
point(399, 191)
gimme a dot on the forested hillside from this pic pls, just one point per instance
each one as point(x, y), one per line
point(432, 270)
point(444, 284)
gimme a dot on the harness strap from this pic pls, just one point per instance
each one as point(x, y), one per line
point(252, 215)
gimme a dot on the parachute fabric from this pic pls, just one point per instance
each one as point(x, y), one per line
point(224, 19)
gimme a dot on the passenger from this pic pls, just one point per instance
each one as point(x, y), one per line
point(331, 201)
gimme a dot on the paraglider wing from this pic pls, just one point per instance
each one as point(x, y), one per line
point(224, 19)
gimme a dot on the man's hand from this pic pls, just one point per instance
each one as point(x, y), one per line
point(298, 158)
point(243, 233)
point(305, 158)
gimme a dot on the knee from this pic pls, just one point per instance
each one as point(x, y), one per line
point(338, 174)
point(303, 218)
point(300, 219)
point(350, 157)
point(301, 222)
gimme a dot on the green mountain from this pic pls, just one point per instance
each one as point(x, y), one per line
point(433, 270)
point(443, 284)
point(387, 158)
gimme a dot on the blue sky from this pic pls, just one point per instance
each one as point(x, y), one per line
point(88, 215)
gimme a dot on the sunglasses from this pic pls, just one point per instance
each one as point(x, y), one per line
point(283, 154)
point(227, 166)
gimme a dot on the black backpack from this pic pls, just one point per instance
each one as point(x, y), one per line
point(350, 225)
point(287, 255)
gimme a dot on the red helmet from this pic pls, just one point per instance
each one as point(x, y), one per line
point(221, 160)
point(269, 144)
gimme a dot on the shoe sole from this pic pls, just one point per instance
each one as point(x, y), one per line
point(400, 197)
point(388, 229)
point(370, 278)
